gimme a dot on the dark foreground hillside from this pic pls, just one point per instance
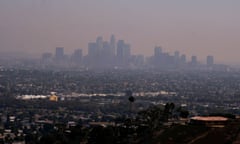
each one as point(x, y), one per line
point(177, 134)
point(199, 135)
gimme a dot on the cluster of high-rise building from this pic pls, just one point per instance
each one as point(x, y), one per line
point(107, 54)
point(117, 54)
point(164, 60)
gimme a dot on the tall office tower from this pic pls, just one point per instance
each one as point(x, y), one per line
point(106, 49)
point(176, 55)
point(77, 56)
point(157, 51)
point(46, 56)
point(99, 42)
point(112, 45)
point(194, 60)
point(183, 58)
point(176, 58)
point(123, 53)
point(210, 60)
point(106, 59)
point(93, 55)
point(59, 55)
point(158, 56)
point(120, 48)
point(127, 51)
point(92, 50)
point(139, 60)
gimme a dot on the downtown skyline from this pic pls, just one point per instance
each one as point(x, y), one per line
point(195, 28)
point(115, 54)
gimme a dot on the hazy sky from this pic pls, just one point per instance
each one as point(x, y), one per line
point(194, 27)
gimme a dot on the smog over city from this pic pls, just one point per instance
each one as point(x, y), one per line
point(194, 28)
point(125, 72)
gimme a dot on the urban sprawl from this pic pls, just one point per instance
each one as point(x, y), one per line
point(111, 96)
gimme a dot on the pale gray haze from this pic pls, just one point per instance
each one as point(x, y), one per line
point(193, 27)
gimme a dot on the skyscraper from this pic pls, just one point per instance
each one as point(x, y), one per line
point(127, 51)
point(99, 42)
point(112, 45)
point(210, 60)
point(59, 54)
point(93, 54)
point(157, 51)
point(106, 49)
point(77, 56)
point(183, 59)
point(120, 49)
point(176, 55)
point(194, 60)
point(92, 49)
point(46, 56)
point(123, 53)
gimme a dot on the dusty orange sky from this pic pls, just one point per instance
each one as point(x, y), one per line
point(206, 27)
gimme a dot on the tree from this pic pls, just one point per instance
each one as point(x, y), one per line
point(168, 111)
point(182, 112)
point(101, 135)
point(131, 99)
point(152, 117)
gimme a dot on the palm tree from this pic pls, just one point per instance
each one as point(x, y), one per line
point(131, 99)
point(168, 110)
